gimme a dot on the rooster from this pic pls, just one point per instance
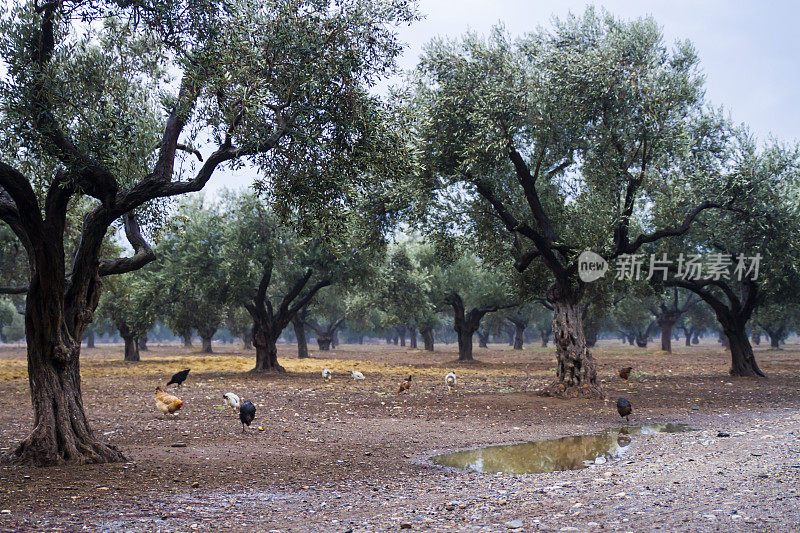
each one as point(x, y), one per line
point(167, 403)
point(247, 412)
point(450, 380)
point(232, 401)
point(405, 385)
point(624, 408)
point(179, 378)
point(326, 374)
point(625, 372)
point(356, 374)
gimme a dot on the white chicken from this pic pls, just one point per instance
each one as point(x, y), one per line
point(232, 401)
point(356, 374)
point(450, 380)
point(326, 374)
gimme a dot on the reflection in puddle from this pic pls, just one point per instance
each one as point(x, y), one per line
point(566, 453)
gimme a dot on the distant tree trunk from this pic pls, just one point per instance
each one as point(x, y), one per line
point(519, 331)
point(466, 324)
point(465, 345)
point(427, 338)
point(544, 334)
point(641, 339)
point(401, 331)
point(631, 338)
point(412, 337)
point(265, 341)
point(512, 337)
point(519, 336)
point(324, 342)
point(335, 338)
point(206, 343)
point(395, 339)
point(575, 373)
point(131, 348)
point(142, 342)
point(591, 337)
point(667, 322)
point(300, 333)
point(483, 339)
point(247, 339)
point(743, 362)
point(756, 336)
point(774, 342)
point(187, 341)
point(90, 338)
point(688, 336)
point(695, 339)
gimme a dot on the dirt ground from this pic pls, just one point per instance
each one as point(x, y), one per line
point(354, 456)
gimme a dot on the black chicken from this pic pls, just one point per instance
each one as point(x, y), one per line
point(179, 378)
point(247, 412)
point(624, 408)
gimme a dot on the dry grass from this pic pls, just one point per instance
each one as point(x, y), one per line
point(109, 365)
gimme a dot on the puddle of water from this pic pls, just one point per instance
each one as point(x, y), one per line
point(566, 453)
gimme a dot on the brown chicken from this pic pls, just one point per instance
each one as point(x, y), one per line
point(405, 385)
point(625, 372)
point(167, 403)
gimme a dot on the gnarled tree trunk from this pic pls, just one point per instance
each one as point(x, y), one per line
point(141, 342)
point(265, 341)
point(206, 342)
point(187, 341)
point(575, 371)
point(61, 432)
point(743, 362)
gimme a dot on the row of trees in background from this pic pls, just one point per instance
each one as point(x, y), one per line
point(237, 265)
point(511, 157)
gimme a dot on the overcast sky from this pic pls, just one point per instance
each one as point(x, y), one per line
point(749, 51)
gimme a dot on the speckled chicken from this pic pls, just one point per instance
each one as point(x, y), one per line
point(167, 403)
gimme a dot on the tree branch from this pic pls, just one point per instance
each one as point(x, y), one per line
point(623, 247)
point(13, 290)
point(143, 254)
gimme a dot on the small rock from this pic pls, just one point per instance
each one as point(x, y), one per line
point(723, 434)
point(514, 524)
point(178, 445)
point(195, 485)
point(695, 408)
point(592, 524)
point(5, 511)
point(405, 525)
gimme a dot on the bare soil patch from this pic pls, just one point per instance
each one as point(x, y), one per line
point(342, 454)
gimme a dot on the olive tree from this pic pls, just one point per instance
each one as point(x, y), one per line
point(108, 101)
point(567, 136)
point(753, 245)
point(274, 271)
